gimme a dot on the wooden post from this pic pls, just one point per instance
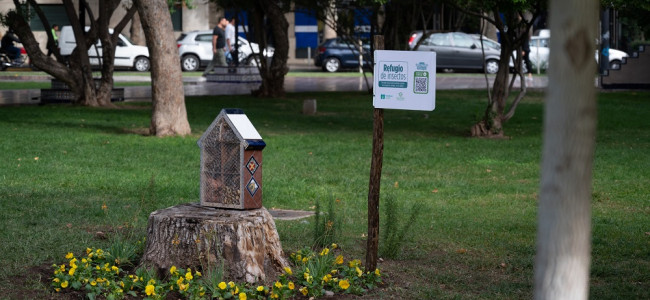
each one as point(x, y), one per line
point(375, 178)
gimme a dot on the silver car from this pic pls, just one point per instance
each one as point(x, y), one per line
point(458, 50)
point(195, 50)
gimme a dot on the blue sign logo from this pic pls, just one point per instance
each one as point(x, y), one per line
point(421, 66)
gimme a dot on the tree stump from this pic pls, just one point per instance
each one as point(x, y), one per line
point(244, 242)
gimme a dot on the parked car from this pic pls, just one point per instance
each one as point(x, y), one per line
point(195, 50)
point(338, 53)
point(127, 54)
point(459, 51)
point(539, 52)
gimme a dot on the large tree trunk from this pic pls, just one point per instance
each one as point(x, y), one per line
point(169, 116)
point(244, 242)
point(273, 76)
point(564, 217)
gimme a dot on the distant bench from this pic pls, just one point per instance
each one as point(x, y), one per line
point(61, 93)
point(241, 74)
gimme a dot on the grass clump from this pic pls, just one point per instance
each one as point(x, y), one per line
point(397, 226)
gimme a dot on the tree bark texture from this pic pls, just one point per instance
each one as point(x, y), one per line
point(169, 116)
point(245, 242)
point(564, 216)
point(273, 76)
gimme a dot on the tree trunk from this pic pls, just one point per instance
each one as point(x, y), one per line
point(273, 77)
point(169, 116)
point(497, 111)
point(244, 242)
point(564, 216)
point(137, 35)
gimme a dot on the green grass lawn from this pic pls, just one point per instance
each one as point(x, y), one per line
point(474, 235)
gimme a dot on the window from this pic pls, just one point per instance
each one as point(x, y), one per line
point(438, 39)
point(203, 38)
point(55, 14)
point(461, 40)
point(177, 19)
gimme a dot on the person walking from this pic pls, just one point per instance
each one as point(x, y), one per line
point(55, 40)
point(218, 45)
point(230, 40)
point(526, 55)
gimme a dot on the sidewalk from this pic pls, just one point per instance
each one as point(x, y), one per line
point(195, 86)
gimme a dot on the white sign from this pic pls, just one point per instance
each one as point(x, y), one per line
point(405, 80)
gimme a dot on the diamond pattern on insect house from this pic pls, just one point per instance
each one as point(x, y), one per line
point(231, 162)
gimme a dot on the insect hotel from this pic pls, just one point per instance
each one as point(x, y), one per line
point(231, 162)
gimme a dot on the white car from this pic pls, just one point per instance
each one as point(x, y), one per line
point(127, 54)
point(539, 53)
point(195, 50)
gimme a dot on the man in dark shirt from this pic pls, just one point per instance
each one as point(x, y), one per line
point(218, 45)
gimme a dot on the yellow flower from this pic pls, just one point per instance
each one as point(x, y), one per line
point(71, 272)
point(172, 270)
point(222, 285)
point(334, 246)
point(359, 272)
point(339, 260)
point(290, 285)
point(150, 290)
point(274, 295)
point(260, 288)
point(344, 284)
point(64, 284)
point(325, 252)
point(197, 273)
point(298, 257)
point(327, 277)
point(69, 255)
point(304, 291)
point(278, 284)
point(377, 272)
point(354, 263)
point(189, 276)
point(93, 283)
point(288, 270)
point(115, 269)
point(56, 280)
point(231, 284)
point(88, 250)
point(180, 281)
point(242, 296)
point(57, 290)
point(305, 259)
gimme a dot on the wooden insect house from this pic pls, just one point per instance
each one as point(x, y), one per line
point(231, 162)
